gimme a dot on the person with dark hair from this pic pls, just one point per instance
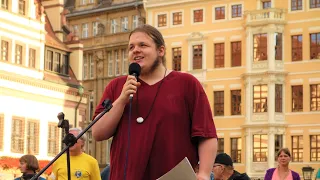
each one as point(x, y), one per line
point(170, 117)
point(223, 169)
point(282, 171)
point(28, 166)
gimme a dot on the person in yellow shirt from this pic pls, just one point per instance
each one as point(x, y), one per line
point(82, 165)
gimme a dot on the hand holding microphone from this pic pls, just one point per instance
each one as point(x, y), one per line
point(131, 85)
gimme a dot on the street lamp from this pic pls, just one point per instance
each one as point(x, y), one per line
point(307, 173)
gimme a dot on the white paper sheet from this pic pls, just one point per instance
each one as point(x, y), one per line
point(182, 171)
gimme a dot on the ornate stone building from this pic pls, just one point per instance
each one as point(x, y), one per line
point(103, 27)
point(39, 78)
point(258, 61)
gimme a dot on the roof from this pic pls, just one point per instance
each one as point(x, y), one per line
point(102, 7)
point(52, 40)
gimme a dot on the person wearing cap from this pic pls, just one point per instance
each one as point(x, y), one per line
point(223, 169)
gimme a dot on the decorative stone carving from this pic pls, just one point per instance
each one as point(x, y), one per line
point(195, 36)
point(259, 167)
point(101, 29)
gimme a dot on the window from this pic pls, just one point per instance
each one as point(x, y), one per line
point(219, 55)
point(1, 132)
point(315, 148)
point(4, 50)
point(49, 60)
point(296, 5)
point(124, 24)
point(278, 98)
point(218, 103)
point(135, 21)
point(113, 26)
point(124, 61)
point(260, 148)
point(260, 47)
point(117, 65)
point(33, 137)
point(91, 66)
point(85, 67)
point(315, 97)
point(110, 64)
point(266, 4)
point(260, 96)
point(53, 139)
point(64, 68)
point(4, 4)
point(162, 20)
point(83, 2)
point(236, 53)
point(84, 30)
point(57, 61)
point(197, 57)
point(17, 135)
point(236, 10)
point(22, 7)
point(236, 102)
point(297, 98)
point(220, 145)
point(91, 108)
point(297, 148)
point(198, 15)
point(296, 51)
point(314, 4)
point(220, 13)
point(18, 59)
point(95, 28)
point(176, 58)
point(177, 18)
point(278, 144)
point(315, 45)
point(32, 58)
point(75, 30)
point(278, 48)
point(91, 1)
point(236, 150)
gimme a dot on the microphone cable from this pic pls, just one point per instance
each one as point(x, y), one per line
point(128, 145)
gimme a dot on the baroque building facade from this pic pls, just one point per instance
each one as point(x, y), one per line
point(258, 61)
point(39, 78)
point(103, 27)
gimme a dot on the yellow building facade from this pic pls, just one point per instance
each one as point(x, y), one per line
point(259, 62)
point(39, 78)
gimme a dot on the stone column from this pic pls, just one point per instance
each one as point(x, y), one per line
point(271, 148)
point(248, 151)
point(271, 102)
point(271, 51)
point(249, 49)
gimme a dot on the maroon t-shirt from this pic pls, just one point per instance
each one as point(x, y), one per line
point(180, 114)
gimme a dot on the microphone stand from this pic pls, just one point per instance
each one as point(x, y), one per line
point(70, 140)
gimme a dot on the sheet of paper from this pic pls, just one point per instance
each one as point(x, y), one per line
point(182, 171)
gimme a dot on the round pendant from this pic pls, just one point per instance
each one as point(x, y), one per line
point(140, 120)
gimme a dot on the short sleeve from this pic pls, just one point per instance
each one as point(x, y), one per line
point(200, 111)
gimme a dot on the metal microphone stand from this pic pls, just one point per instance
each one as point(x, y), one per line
point(70, 140)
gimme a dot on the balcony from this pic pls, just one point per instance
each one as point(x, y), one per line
point(265, 17)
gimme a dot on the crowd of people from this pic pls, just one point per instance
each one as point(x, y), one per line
point(159, 117)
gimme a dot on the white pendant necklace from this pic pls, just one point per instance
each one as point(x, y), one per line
point(141, 119)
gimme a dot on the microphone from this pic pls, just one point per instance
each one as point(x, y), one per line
point(134, 70)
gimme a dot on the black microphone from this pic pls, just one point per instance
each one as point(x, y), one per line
point(134, 70)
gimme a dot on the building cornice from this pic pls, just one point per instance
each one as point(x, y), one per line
point(100, 10)
point(41, 84)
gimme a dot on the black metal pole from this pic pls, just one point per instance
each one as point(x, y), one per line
point(107, 106)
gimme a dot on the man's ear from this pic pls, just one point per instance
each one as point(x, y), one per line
point(161, 51)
